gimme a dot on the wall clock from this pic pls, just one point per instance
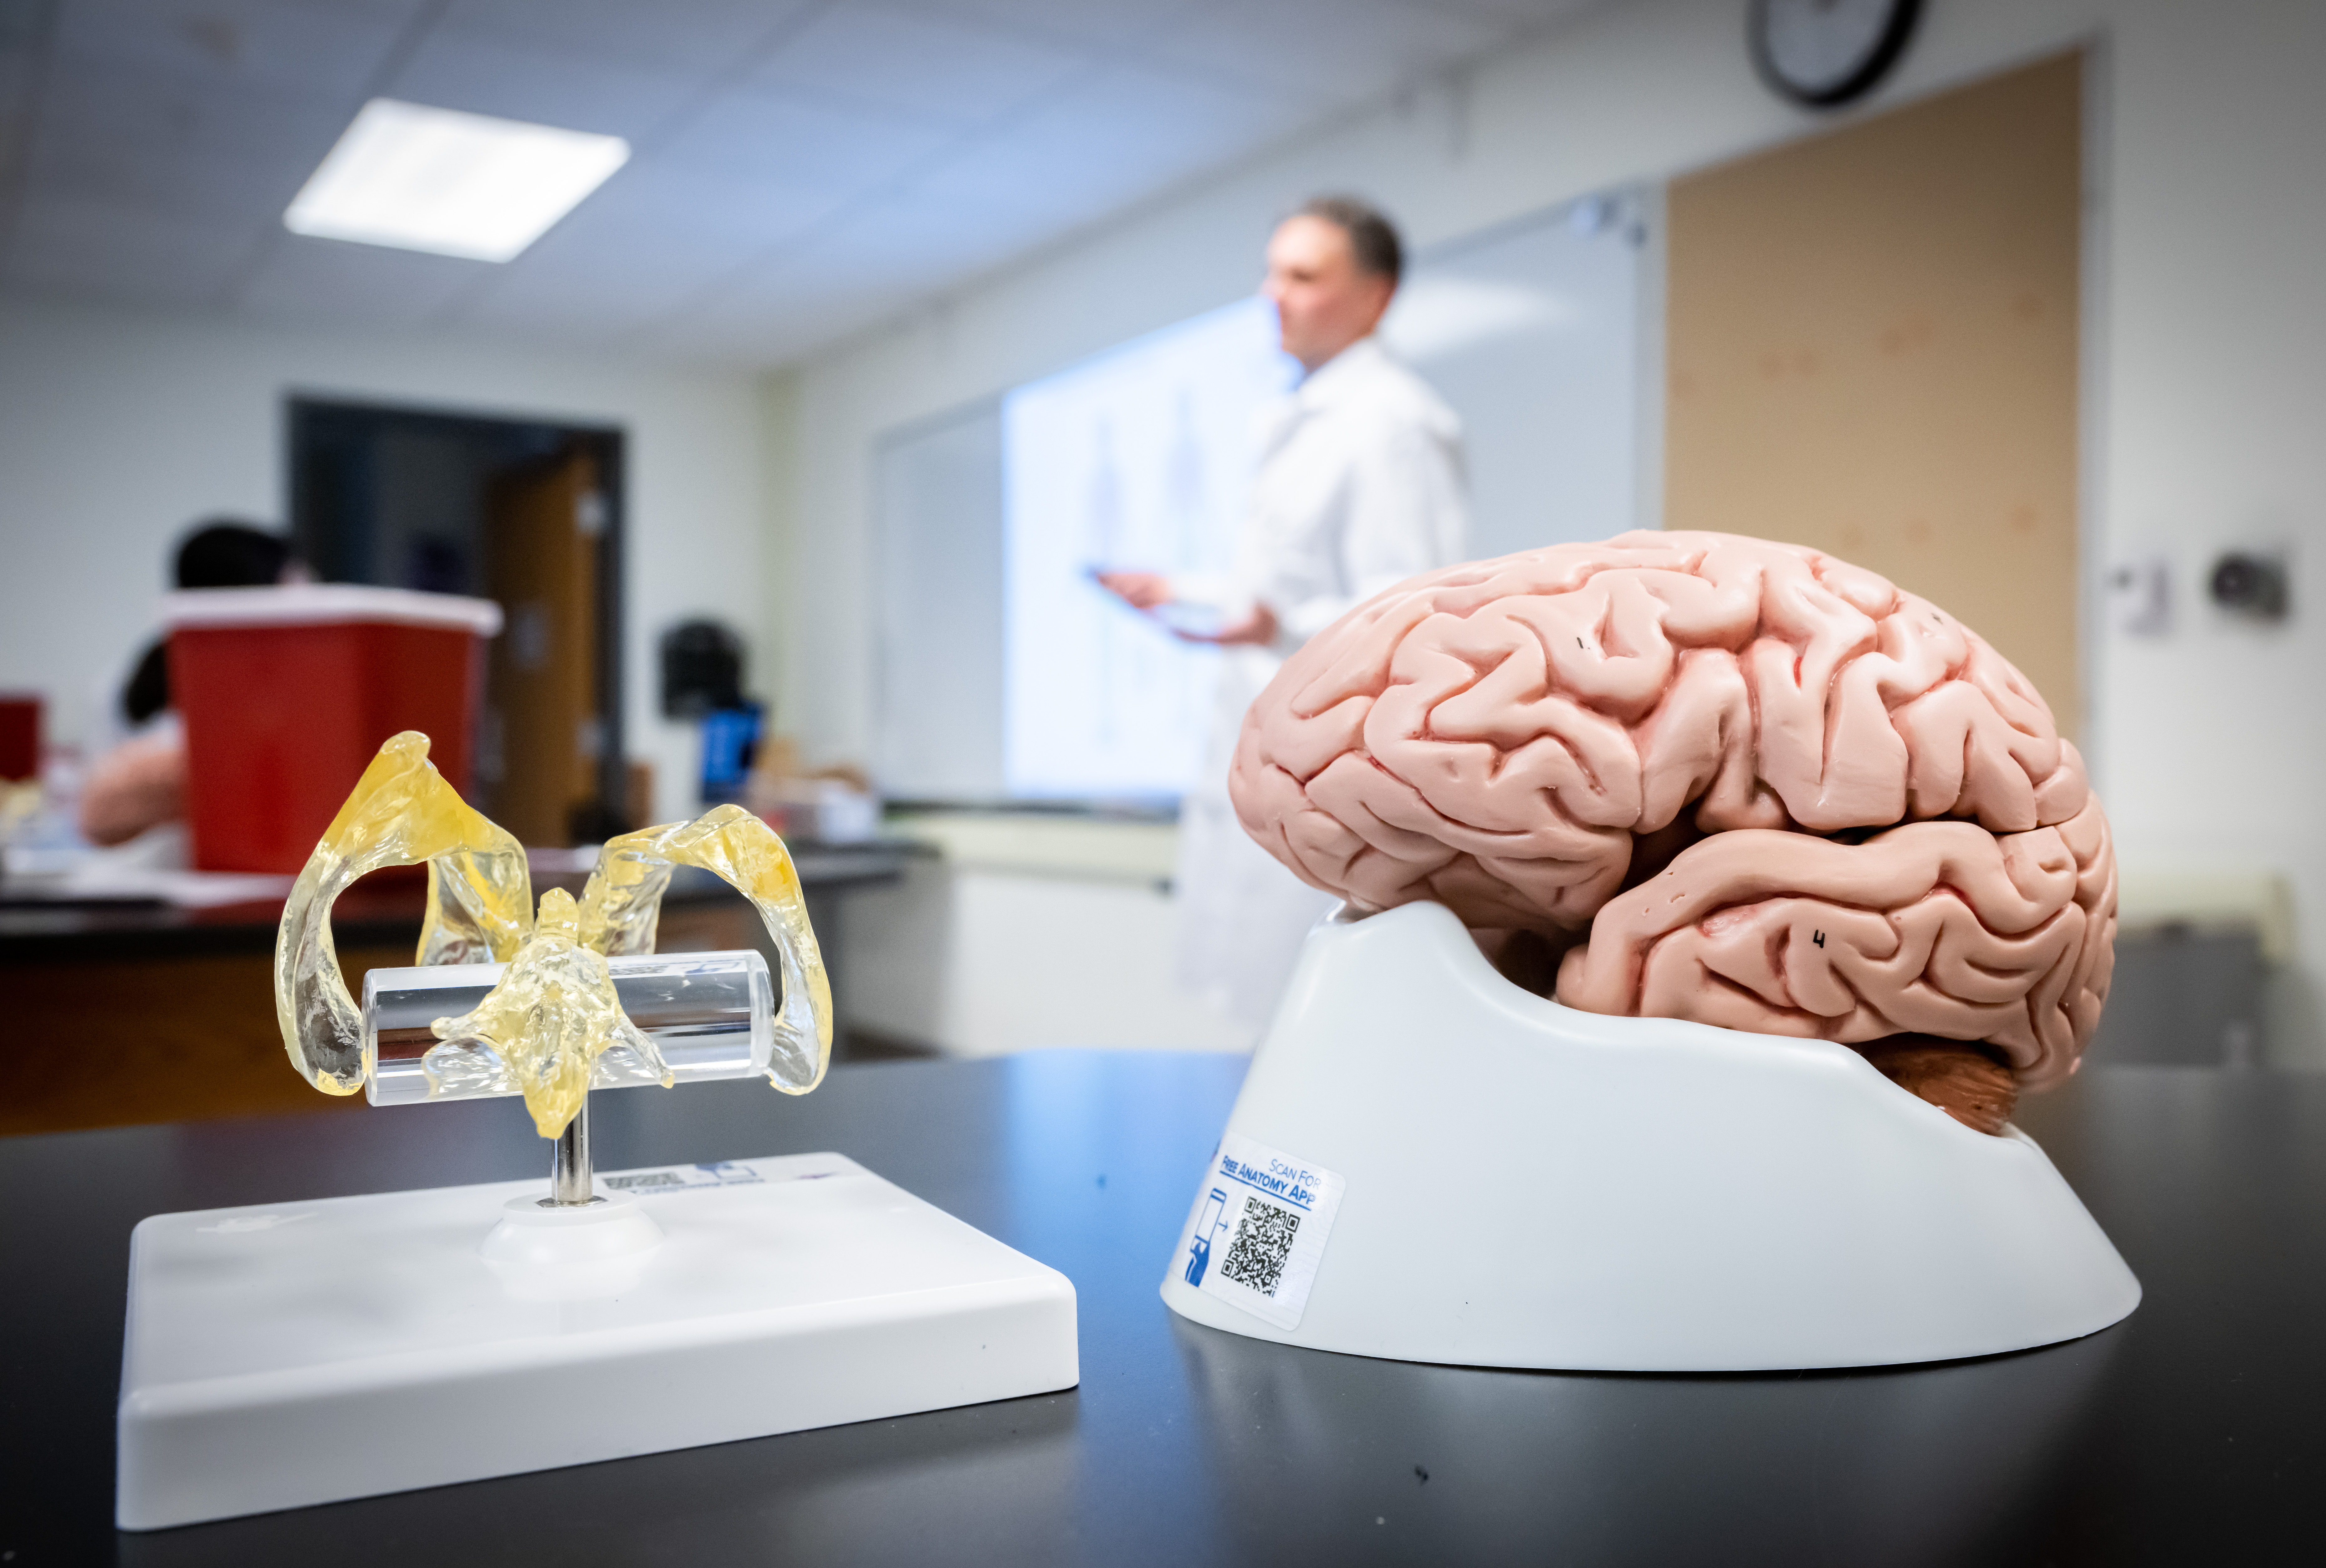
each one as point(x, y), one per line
point(1825, 52)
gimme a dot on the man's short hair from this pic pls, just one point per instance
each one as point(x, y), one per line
point(1373, 238)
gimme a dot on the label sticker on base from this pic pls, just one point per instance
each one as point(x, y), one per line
point(1259, 1229)
point(694, 1178)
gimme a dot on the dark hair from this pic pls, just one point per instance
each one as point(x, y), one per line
point(1373, 238)
point(220, 552)
point(225, 553)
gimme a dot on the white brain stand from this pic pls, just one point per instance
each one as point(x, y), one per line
point(1428, 1164)
point(295, 1353)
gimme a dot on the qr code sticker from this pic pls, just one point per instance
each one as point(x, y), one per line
point(1263, 1240)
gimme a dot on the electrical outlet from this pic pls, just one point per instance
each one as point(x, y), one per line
point(2140, 597)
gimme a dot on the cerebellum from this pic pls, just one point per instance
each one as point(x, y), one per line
point(1739, 781)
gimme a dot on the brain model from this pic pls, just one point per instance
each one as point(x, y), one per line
point(1714, 778)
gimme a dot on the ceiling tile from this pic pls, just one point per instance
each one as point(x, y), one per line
point(703, 340)
point(804, 312)
point(317, 49)
point(88, 248)
point(917, 65)
point(803, 167)
point(824, 297)
point(1118, 26)
point(878, 260)
point(586, 310)
point(792, 143)
point(155, 138)
point(691, 35)
point(1111, 143)
point(1330, 55)
point(1107, 144)
point(814, 294)
point(995, 176)
point(657, 203)
point(329, 283)
point(916, 243)
point(451, 71)
point(664, 276)
point(662, 242)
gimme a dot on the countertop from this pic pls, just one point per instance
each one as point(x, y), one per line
point(2187, 1433)
point(373, 911)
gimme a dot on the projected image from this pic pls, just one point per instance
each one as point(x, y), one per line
point(1137, 459)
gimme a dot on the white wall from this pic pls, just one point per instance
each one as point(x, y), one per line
point(2207, 221)
point(116, 430)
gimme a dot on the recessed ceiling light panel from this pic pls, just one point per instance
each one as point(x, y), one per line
point(452, 184)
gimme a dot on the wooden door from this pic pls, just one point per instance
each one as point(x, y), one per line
point(542, 527)
point(1871, 345)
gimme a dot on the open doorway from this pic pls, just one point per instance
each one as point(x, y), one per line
point(525, 513)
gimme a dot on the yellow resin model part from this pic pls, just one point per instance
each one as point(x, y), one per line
point(550, 1019)
point(553, 1025)
point(624, 898)
point(479, 901)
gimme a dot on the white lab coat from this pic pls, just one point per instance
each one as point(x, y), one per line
point(1359, 486)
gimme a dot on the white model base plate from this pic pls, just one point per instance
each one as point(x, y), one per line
point(305, 1353)
point(1445, 1168)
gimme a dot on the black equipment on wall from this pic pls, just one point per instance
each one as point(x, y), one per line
point(701, 669)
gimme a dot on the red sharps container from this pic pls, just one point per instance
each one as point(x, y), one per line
point(20, 736)
point(287, 692)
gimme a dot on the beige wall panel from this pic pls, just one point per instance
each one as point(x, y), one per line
point(1871, 344)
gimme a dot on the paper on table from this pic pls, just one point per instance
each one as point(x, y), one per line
point(131, 874)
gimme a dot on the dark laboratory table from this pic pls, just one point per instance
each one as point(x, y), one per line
point(2189, 1433)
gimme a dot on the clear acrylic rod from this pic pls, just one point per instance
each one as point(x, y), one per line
point(710, 1014)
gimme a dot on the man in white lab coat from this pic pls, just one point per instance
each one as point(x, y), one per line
point(1359, 486)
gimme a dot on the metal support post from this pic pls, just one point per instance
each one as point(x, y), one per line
point(570, 1181)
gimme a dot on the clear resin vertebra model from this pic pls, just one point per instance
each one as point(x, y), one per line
point(552, 1026)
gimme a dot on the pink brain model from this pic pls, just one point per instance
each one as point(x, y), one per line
point(1739, 781)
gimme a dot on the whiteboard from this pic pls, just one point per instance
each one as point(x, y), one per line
point(938, 519)
point(1137, 459)
point(1006, 674)
point(1532, 333)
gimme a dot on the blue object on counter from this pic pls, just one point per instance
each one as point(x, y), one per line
point(731, 738)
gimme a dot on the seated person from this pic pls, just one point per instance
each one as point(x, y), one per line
point(141, 781)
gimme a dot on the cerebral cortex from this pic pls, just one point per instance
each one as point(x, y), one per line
point(1737, 782)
